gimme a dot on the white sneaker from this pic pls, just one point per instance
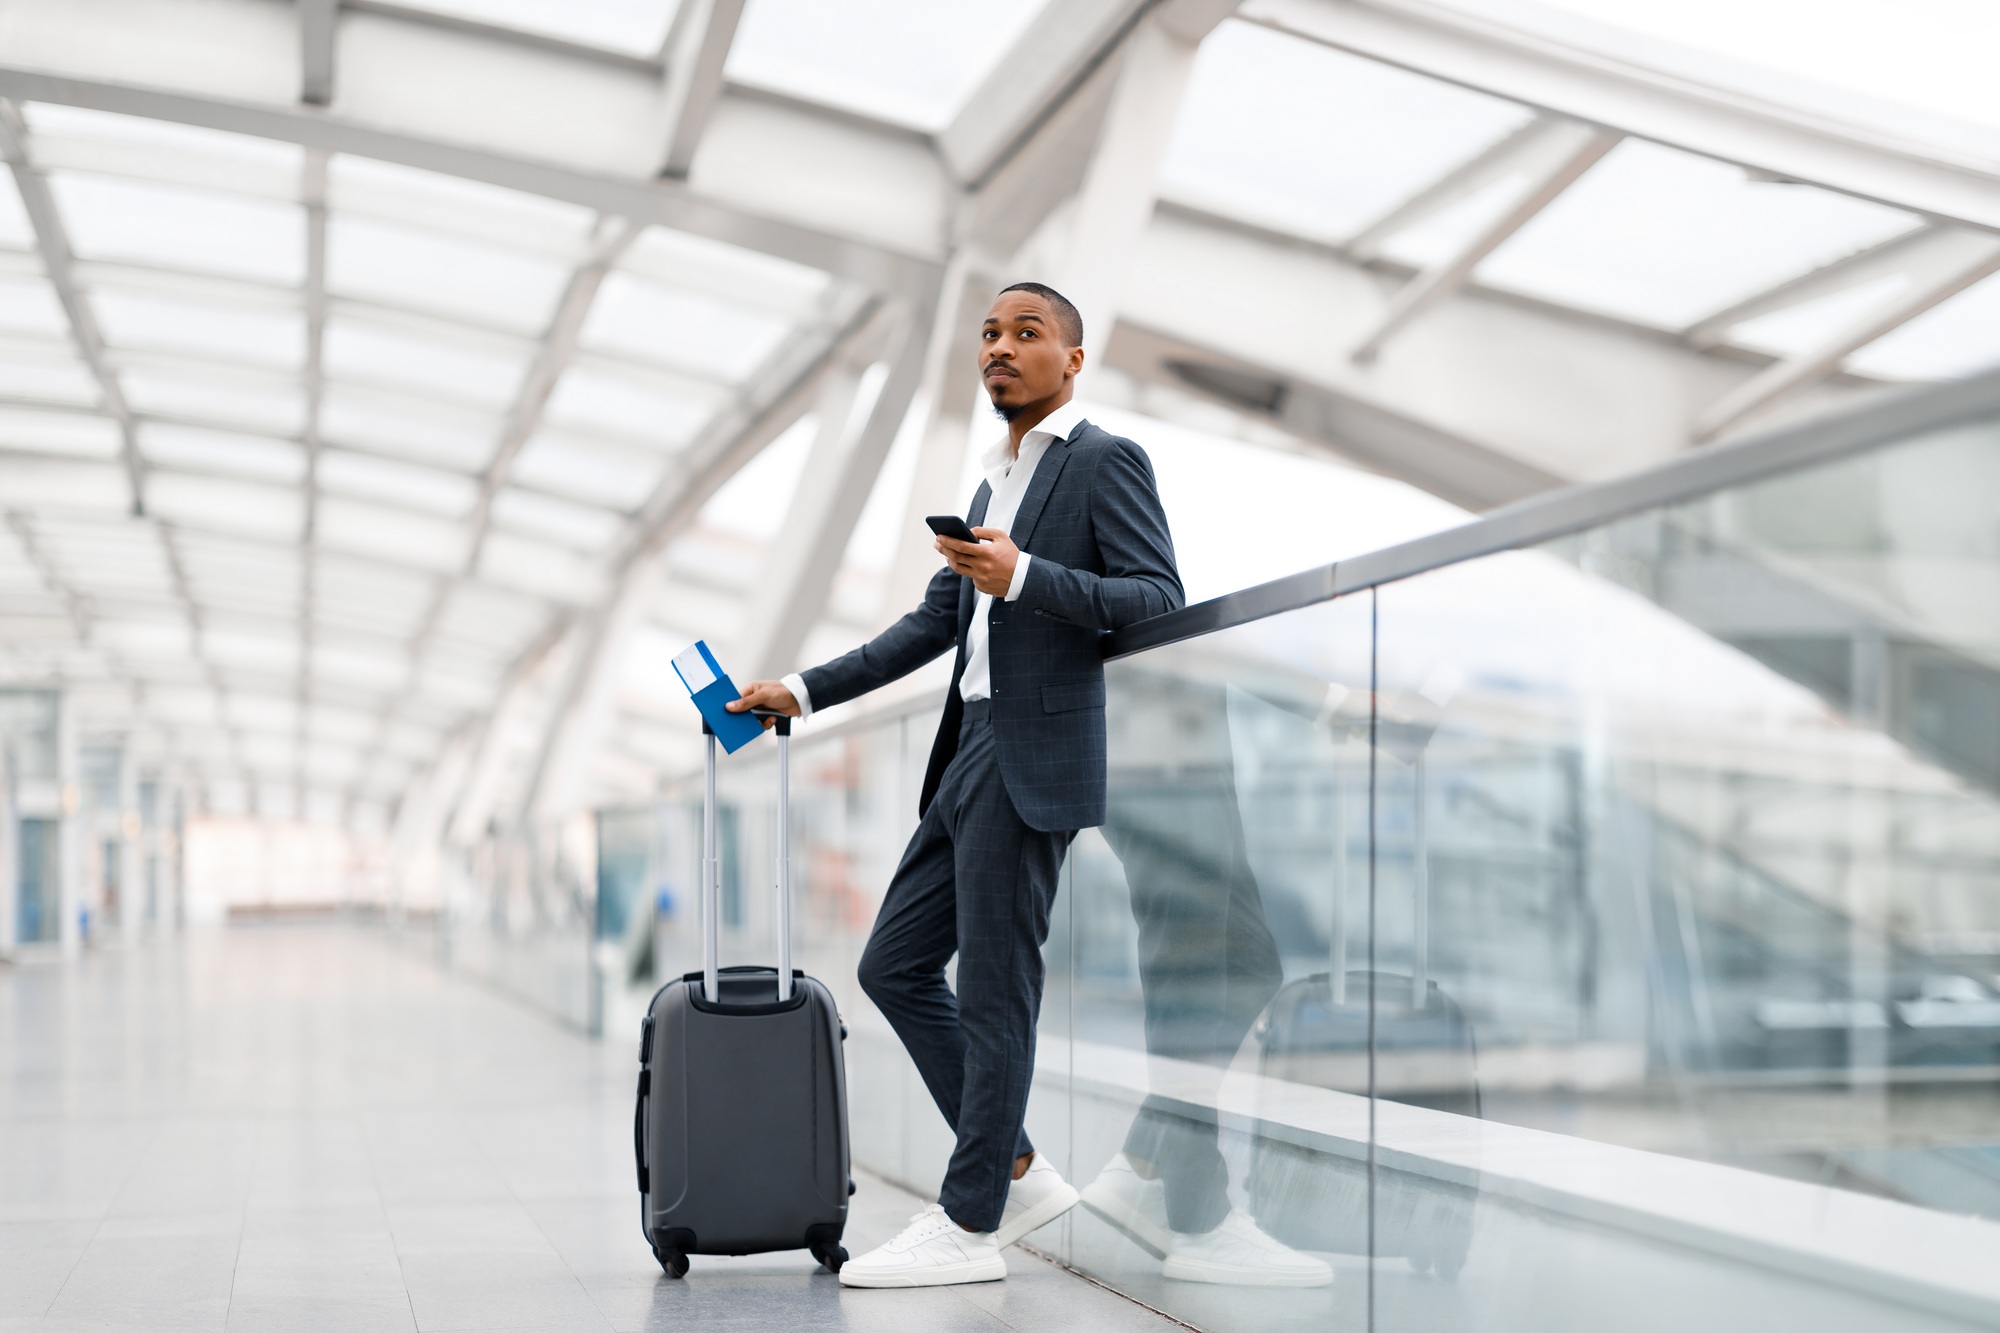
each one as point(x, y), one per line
point(1038, 1198)
point(933, 1251)
point(1237, 1254)
point(1131, 1203)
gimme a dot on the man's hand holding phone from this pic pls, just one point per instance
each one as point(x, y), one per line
point(987, 556)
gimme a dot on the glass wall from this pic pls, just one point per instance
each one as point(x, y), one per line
point(1601, 934)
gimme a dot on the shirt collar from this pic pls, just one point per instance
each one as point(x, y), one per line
point(1057, 425)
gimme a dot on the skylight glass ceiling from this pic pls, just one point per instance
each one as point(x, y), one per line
point(1294, 136)
point(1931, 54)
point(633, 27)
point(335, 528)
point(914, 62)
point(1664, 237)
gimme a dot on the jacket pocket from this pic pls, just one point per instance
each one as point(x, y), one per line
point(1070, 695)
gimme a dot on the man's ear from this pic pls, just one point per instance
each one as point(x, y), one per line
point(1075, 361)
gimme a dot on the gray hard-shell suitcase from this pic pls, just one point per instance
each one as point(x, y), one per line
point(741, 1126)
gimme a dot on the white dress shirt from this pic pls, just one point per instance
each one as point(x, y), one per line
point(1009, 477)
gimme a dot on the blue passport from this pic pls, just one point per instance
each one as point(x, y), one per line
point(712, 688)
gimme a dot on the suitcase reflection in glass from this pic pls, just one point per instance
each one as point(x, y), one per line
point(1425, 1056)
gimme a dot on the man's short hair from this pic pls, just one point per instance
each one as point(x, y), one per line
point(1067, 318)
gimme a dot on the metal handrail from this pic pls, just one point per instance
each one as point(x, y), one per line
point(1542, 518)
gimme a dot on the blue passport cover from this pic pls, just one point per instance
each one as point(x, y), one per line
point(711, 689)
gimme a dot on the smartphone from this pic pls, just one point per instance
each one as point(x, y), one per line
point(952, 526)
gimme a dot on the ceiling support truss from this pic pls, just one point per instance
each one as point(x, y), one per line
point(840, 474)
point(554, 354)
point(693, 57)
point(1942, 263)
point(1544, 159)
point(768, 406)
point(314, 196)
point(59, 263)
point(318, 21)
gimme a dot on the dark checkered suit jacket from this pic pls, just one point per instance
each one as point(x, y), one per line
point(1092, 519)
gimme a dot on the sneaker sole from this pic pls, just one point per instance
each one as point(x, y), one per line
point(1134, 1228)
point(1043, 1213)
point(1228, 1275)
point(944, 1275)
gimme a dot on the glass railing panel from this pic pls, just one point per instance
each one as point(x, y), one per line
point(1696, 901)
point(1220, 958)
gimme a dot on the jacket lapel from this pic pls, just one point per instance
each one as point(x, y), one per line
point(1039, 487)
point(967, 594)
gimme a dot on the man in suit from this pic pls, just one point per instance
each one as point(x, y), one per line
point(1073, 543)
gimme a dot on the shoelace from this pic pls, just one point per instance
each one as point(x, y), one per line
point(931, 1222)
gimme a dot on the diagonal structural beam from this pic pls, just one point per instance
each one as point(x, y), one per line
point(557, 349)
point(59, 264)
point(1954, 259)
point(1890, 258)
point(1054, 57)
point(1492, 164)
point(197, 627)
point(840, 474)
point(317, 21)
point(693, 58)
point(1557, 158)
point(613, 237)
point(584, 696)
point(313, 194)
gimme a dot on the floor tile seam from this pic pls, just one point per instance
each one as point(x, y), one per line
point(451, 981)
point(242, 1214)
point(540, 1230)
point(97, 1231)
point(1126, 1296)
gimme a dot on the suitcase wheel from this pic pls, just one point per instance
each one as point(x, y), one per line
point(830, 1257)
point(672, 1262)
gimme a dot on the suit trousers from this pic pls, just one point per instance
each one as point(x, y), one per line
point(977, 881)
point(1208, 963)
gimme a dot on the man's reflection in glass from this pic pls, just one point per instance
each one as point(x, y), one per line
point(1208, 966)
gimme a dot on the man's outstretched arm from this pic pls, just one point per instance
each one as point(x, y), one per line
point(917, 638)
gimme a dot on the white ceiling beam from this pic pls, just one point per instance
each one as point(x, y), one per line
point(58, 264)
point(1955, 258)
point(1890, 258)
point(317, 22)
point(1350, 426)
point(951, 389)
point(1542, 69)
point(695, 51)
point(872, 265)
point(1558, 157)
point(840, 474)
point(197, 627)
point(1122, 182)
point(313, 195)
point(1498, 160)
point(1570, 396)
point(1060, 49)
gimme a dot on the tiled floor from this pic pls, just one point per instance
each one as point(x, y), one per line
point(310, 1128)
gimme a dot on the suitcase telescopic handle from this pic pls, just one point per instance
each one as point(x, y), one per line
point(711, 863)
